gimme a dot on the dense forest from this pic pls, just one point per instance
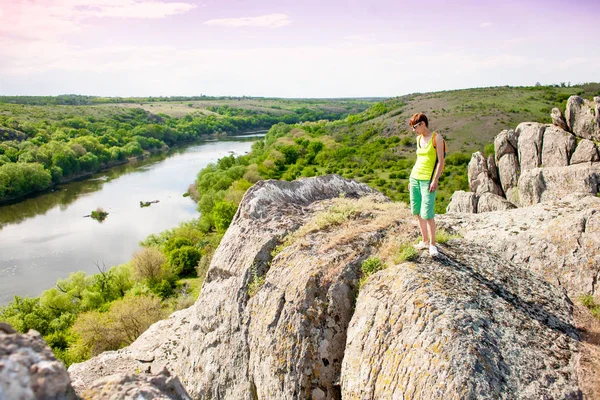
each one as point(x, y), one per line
point(44, 145)
point(84, 315)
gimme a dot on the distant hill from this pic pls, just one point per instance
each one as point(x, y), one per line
point(376, 147)
point(470, 118)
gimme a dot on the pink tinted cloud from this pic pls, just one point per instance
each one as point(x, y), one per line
point(265, 21)
point(48, 19)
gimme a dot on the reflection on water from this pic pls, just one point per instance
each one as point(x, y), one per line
point(47, 237)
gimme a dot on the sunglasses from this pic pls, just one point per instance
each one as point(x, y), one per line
point(417, 124)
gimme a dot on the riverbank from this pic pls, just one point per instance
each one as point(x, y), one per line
point(45, 238)
point(144, 156)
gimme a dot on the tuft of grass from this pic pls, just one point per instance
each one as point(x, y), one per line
point(256, 283)
point(336, 215)
point(442, 236)
point(368, 268)
point(406, 252)
point(589, 302)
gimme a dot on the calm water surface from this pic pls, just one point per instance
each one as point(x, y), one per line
point(47, 237)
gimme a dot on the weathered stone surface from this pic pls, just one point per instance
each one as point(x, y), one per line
point(557, 148)
point(234, 346)
point(480, 179)
point(463, 202)
point(29, 370)
point(581, 119)
point(544, 184)
point(558, 119)
point(158, 346)
point(513, 196)
point(586, 151)
point(513, 138)
point(530, 144)
point(492, 202)
point(272, 319)
point(162, 386)
point(469, 326)
point(559, 240)
point(493, 169)
point(508, 171)
point(502, 144)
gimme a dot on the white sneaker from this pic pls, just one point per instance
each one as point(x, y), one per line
point(433, 251)
point(421, 245)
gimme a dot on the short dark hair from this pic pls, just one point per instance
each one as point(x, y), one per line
point(418, 117)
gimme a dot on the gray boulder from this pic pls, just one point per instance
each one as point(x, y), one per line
point(512, 195)
point(493, 169)
point(502, 144)
point(557, 147)
point(469, 326)
point(480, 178)
point(508, 171)
point(492, 202)
point(29, 370)
point(558, 119)
point(585, 152)
point(285, 341)
point(581, 119)
point(162, 386)
point(545, 184)
point(463, 202)
point(530, 144)
point(513, 138)
point(559, 240)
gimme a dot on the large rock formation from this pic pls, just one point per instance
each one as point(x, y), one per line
point(559, 239)
point(544, 184)
point(480, 178)
point(29, 370)
point(557, 147)
point(280, 343)
point(558, 119)
point(461, 328)
point(462, 202)
point(526, 160)
point(582, 117)
point(585, 152)
point(530, 144)
point(279, 316)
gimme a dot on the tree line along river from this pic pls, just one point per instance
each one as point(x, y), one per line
point(46, 237)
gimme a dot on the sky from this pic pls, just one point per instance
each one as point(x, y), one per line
point(285, 48)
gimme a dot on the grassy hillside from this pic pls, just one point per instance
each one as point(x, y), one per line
point(470, 118)
point(36, 109)
point(376, 146)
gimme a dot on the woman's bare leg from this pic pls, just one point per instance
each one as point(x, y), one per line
point(423, 227)
point(431, 227)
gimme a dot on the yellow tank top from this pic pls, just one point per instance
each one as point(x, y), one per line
point(423, 168)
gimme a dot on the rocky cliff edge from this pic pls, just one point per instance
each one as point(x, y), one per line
point(285, 311)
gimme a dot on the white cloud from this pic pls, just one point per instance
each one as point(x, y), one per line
point(486, 24)
point(53, 19)
point(263, 21)
point(137, 9)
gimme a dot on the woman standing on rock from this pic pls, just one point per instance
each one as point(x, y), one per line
point(424, 179)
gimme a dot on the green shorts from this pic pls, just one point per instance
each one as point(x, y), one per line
point(421, 199)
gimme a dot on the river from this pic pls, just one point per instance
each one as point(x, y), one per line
point(47, 237)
